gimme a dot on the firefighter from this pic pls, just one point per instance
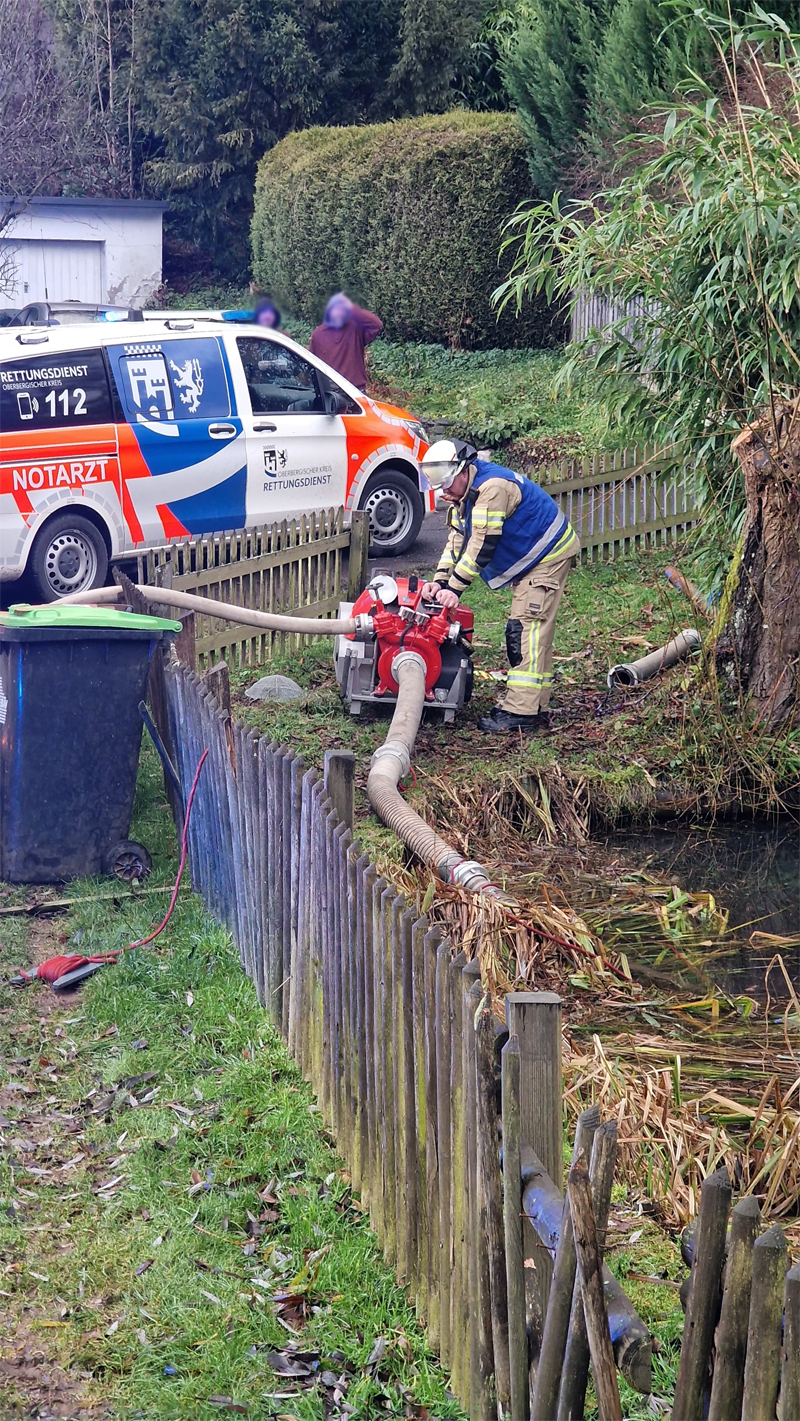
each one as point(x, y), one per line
point(512, 532)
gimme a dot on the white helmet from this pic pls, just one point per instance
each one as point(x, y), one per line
point(445, 460)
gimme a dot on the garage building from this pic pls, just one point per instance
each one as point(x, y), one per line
point(82, 249)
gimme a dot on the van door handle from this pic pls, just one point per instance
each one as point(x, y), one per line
point(221, 431)
point(265, 429)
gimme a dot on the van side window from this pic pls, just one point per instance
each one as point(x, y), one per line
point(145, 384)
point(51, 391)
point(278, 380)
point(173, 379)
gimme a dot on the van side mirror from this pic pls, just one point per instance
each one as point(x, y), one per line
point(335, 402)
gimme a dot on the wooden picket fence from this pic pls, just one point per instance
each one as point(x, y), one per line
point(593, 311)
point(621, 501)
point(740, 1356)
point(420, 1083)
point(390, 1023)
point(616, 502)
point(293, 566)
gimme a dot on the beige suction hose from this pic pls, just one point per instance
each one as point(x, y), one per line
point(190, 602)
point(392, 760)
point(389, 763)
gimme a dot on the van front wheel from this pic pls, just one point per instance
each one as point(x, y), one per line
point(69, 555)
point(395, 511)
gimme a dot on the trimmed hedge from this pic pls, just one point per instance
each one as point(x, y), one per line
point(406, 217)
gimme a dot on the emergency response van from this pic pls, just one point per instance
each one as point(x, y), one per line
point(116, 438)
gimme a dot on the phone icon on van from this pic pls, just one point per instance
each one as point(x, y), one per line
point(25, 406)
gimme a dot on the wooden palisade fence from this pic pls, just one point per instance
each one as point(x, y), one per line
point(740, 1358)
point(294, 566)
point(421, 1085)
point(621, 501)
point(393, 1029)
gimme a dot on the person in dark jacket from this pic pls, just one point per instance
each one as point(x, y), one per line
point(267, 314)
point(343, 337)
point(509, 531)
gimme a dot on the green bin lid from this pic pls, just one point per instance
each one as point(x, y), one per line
point(59, 614)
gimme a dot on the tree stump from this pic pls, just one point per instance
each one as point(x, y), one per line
point(758, 650)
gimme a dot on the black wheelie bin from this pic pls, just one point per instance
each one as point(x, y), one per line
point(71, 679)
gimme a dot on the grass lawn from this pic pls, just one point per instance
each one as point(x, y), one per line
point(179, 1238)
point(504, 399)
point(178, 1234)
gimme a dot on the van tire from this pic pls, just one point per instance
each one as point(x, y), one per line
point(68, 555)
point(396, 510)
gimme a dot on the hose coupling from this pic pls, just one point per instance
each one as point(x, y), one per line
point(392, 750)
point(470, 875)
point(408, 658)
point(365, 626)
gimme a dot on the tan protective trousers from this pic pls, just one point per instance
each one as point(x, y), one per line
point(529, 636)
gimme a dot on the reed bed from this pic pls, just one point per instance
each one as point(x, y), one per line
point(685, 1102)
point(670, 1139)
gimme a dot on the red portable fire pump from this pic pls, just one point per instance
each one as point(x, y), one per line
point(395, 618)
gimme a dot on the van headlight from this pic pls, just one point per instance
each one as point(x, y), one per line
point(417, 428)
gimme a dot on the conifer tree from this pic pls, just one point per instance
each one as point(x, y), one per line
point(549, 75)
point(642, 58)
point(436, 37)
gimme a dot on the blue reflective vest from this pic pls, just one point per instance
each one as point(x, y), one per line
point(528, 535)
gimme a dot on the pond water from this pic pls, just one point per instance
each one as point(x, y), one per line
point(753, 872)
point(692, 908)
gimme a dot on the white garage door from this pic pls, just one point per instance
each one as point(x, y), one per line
point(57, 270)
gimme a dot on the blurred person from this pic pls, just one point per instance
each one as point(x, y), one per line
point(343, 337)
point(267, 314)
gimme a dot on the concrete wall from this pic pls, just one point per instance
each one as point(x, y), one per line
point(84, 249)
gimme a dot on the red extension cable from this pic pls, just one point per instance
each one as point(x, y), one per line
point(56, 967)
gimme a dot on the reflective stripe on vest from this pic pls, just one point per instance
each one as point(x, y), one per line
point(529, 533)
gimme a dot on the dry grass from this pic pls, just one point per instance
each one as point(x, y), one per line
point(685, 1100)
point(669, 1141)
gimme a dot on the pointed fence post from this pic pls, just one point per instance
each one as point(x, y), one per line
point(575, 1368)
point(490, 1206)
point(703, 1304)
point(731, 1338)
point(512, 1228)
point(556, 1327)
point(762, 1368)
point(340, 780)
point(357, 567)
point(590, 1272)
point(790, 1358)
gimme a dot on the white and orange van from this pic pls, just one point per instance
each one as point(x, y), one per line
point(117, 438)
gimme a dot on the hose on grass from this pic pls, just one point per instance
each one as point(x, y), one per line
point(57, 967)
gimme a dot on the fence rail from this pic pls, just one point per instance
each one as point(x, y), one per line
point(294, 566)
